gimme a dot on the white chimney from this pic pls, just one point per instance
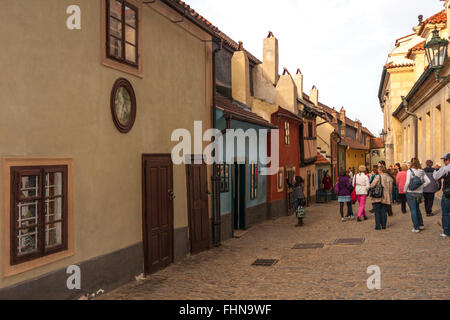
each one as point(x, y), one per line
point(270, 58)
point(298, 79)
point(314, 96)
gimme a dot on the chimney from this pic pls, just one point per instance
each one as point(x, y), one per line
point(359, 132)
point(298, 79)
point(335, 116)
point(270, 59)
point(286, 92)
point(240, 76)
point(314, 96)
point(343, 121)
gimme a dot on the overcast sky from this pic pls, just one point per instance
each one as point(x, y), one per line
point(340, 45)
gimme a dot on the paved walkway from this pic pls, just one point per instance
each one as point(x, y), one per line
point(413, 266)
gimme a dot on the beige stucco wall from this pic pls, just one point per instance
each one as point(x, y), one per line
point(434, 133)
point(56, 97)
point(324, 132)
point(400, 83)
point(263, 109)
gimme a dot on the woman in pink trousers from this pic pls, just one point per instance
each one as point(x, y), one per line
point(362, 185)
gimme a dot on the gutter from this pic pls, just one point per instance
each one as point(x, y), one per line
point(215, 179)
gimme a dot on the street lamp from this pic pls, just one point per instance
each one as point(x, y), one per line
point(436, 50)
point(383, 135)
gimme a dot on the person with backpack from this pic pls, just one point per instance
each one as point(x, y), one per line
point(344, 189)
point(361, 185)
point(430, 190)
point(381, 195)
point(416, 180)
point(444, 173)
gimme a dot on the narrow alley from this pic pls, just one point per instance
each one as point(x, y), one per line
point(413, 266)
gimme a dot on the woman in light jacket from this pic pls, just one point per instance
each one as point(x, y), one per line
point(414, 197)
point(380, 205)
point(361, 184)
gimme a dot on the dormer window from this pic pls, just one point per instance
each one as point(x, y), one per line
point(287, 133)
point(122, 32)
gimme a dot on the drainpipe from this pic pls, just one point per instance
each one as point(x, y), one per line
point(416, 127)
point(215, 179)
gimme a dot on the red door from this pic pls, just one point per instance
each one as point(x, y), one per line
point(199, 225)
point(157, 185)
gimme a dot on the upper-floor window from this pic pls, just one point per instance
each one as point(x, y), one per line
point(39, 209)
point(287, 133)
point(310, 130)
point(122, 32)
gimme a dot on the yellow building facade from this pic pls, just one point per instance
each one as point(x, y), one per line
point(423, 134)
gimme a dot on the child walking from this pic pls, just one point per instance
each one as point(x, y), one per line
point(298, 199)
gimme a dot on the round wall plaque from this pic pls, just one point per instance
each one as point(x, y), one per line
point(123, 105)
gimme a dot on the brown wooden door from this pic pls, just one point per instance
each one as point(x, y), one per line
point(157, 212)
point(199, 225)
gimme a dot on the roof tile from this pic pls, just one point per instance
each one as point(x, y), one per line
point(232, 108)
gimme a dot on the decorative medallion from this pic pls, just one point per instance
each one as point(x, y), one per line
point(123, 105)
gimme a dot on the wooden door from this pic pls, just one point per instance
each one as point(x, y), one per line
point(197, 190)
point(239, 196)
point(157, 185)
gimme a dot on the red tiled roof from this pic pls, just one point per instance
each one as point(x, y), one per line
point(409, 35)
point(417, 47)
point(196, 15)
point(376, 143)
point(289, 113)
point(391, 65)
point(364, 129)
point(239, 113)
point(321, 159)
point(440, 17)
point(353, 144)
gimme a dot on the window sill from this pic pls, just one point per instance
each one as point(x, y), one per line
point(9, 271)
point(116, 65)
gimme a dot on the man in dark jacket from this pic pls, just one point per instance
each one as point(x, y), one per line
point(430, 190)
point(444, 173)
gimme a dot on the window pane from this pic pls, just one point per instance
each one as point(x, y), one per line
point(53, 210)
point(115, 27)
point(115, 9)
point(130, 16)
point(130, 53)
point(130, 35)
point(29, 186)
point(28, 214)
point(115, 47)
point(53, 235)
point(27, 241)
point(53, 184)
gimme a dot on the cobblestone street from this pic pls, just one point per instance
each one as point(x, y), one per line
point(413, 266)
